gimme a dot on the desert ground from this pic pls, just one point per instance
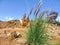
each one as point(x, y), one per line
point(6, 38)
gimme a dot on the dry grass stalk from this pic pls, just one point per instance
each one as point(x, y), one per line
point(30, 12)
point(43, 13)
point(38, 8)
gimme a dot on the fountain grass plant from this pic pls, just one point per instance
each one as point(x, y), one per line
point(37, 32)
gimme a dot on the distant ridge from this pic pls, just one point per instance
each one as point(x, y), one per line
point(10, 24)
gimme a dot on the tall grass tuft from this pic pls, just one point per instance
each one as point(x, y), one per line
point(37, 32)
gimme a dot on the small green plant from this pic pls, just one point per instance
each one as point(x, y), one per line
point(57, 22)
point(37, 32)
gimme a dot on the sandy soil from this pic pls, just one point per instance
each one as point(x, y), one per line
point(6, 39)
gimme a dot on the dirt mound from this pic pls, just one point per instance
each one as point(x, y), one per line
point(7, 39)
point(7, 28)
point(10, 24)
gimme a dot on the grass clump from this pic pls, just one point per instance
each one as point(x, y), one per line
point(37, 32)
point(57, 22)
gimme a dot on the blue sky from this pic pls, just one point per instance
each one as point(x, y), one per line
point(14, 9)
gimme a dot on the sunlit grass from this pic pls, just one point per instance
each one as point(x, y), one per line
point(37, 32)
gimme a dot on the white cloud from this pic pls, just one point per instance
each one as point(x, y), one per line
point(8, 18)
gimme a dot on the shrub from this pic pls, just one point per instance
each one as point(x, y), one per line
point(57, 22)
point(52, 17)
